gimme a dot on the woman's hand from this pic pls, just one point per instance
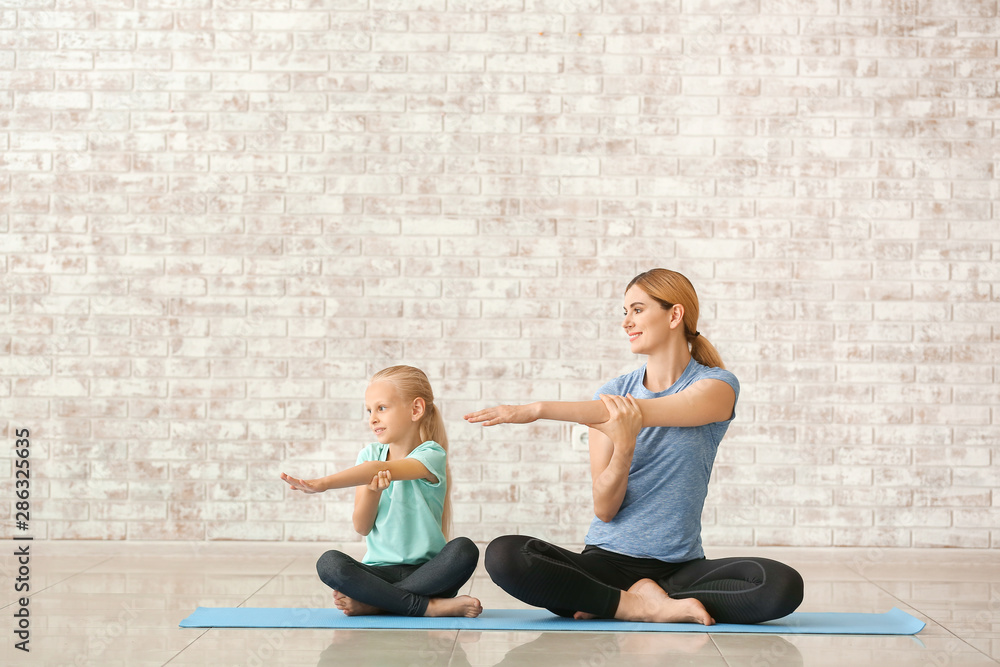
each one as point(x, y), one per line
point(305, 486)
point(624, 419)
point(504, 414)
point(380, 482)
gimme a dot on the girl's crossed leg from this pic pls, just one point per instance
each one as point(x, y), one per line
point(428, 589)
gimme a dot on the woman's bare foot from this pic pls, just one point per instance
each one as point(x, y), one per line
point(353, 607)
point(463, 605)
point(646, 601)
point(583, 616)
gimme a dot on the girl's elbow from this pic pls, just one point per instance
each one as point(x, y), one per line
point(362, 526)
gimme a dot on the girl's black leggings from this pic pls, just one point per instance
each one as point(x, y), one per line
point(404, 590)
point(733, 590)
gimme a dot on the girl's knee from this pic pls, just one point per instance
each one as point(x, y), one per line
point(465, 547)
point(332, 567)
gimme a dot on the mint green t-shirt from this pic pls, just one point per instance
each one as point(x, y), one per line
point(407, 527)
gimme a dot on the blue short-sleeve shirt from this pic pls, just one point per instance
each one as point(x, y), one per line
point(660, 516)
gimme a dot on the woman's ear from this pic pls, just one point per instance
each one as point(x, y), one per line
point(419, 407)
point(677, 316)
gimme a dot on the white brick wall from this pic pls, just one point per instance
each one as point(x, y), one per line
point(219, 218)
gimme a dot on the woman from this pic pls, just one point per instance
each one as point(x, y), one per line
point(654, 433)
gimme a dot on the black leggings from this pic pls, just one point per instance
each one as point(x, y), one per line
point(404, 590)
point(733, 590)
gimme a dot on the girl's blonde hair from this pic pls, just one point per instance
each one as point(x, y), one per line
point(412, 383)
point(669, 288)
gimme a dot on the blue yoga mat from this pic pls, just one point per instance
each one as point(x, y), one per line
point(895, 622)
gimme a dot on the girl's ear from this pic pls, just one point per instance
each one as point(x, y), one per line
point(419, 406)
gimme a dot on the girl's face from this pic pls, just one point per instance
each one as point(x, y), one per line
point(646, 322)
point(390, 418)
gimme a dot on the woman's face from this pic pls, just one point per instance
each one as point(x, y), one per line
point(646, 322)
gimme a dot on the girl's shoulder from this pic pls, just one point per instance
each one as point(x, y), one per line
point(431, 446)
point(372, 452)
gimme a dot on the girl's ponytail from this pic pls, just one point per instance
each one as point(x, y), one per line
point(432, 428)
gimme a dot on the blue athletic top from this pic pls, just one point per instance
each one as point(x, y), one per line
point(660, 516)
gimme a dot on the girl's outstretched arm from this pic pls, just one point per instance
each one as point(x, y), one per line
point(362, 475)
point(704, 402)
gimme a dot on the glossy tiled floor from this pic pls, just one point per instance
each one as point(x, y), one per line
point(119, 604)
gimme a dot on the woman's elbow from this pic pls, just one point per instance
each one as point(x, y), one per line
point(605, 514)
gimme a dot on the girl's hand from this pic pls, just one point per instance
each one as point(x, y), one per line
point(624, 420)
point(380, 482)
point(306, 486)
point(503, 414)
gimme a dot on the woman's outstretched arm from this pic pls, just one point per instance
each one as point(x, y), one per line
point(704, 402)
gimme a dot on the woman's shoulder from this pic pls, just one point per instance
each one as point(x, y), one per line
point(622, 383)
point(702, 372)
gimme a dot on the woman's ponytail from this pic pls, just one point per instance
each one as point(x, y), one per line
point(704, 352)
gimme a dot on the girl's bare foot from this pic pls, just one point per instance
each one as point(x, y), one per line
point(353, 607)
point(646, 601)
point(463, 605)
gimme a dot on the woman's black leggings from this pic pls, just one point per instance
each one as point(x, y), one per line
point(733, 590)
point(404, 590)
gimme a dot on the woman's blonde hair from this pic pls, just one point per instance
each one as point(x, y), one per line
point(669, 288)
point(412, 383)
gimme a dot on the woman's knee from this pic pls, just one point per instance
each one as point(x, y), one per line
point(505, 559)
point(782, 591)
point(790, 589)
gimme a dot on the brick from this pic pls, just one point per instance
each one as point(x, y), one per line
point(446, 187)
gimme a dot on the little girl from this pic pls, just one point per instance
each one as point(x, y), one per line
point(401, 506)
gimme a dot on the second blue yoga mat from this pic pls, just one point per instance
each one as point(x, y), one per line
point(894, 622)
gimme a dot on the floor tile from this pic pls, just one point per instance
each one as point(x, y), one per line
point(120, 604)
